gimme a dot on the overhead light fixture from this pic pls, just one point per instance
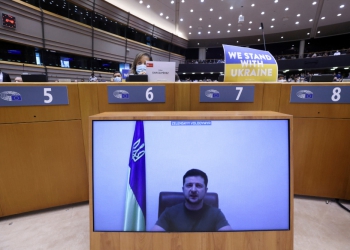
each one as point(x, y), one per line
point(183, 1)
point(259, 40)
point(231, 7)
point(296, 22)
point(237, 41)
point(339, 14)
point(229, 24)
point(346, 68)
point(276, 1)
point(322, 17)
point(181, 19)
point(310, 20)
point(161, 14)
point(286, 9)
point(218, 31)
point(308, 33)
point(148, 6)
point(318, 31)
point(300, 69)
point(209, 25)
point(298, 15)
point(273, 19)
point(262, 13)
point(190, 27)
point(200, 19)
point(241, 17)
point(208, 32)
point(271, 26)
point(220, 17)
point(253, 5)
point(189, 33)
point(341, 6)
point(191, 10)
point(250, 22)
point(141, 2)
point(228, 31)
point(238, 30)
point(282, 37)
point(314, 3)
point(172, 2)
point(199, 32)
point(211, 9)
point(249, 29)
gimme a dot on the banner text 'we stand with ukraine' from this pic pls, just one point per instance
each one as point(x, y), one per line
point(249, 65)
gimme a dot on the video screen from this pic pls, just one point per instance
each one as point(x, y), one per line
point(65, 61)
point(245, 186)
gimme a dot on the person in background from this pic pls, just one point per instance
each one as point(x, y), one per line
point(117, 77)
point(138, 67)
point(4, 77)
point(338, 76)
point(93, 78)
point(18, 79)
point(337, 53)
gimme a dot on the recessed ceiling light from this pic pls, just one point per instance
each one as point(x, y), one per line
point(198, 43)
point(161, 14)
point(208, 32)
point(209, 25)
point(200, 19)
point(276, 1)
point(271, 26)
point(189, 33)
point(172, 2)
point(229, 24)
point(249, 29)
point(141, 2)
point(314, 3)
point(148, 6)
point(167, 17)
point(218, 31)
point(199, 32)
point(238, 30)
point(250, 22)
point(341, 6)
point(237, 41)
point(260, 28)
point(273, 19)
point(190, 27)
point(181, 19)
point(183, 1)
point(339, 14)
point(231, 7)
point(220, 17)
point(258, 40)
point(262, 13)
point(310, 20)
point(318, 31)
point(296, 22)
point(228, 31)
point(211, 9)
point(202, 1)
point(282, 37)
point(253, 5)
point(298, 15)
point(286, 9)
point(191, 10)
point(346, 68)
point(322, 17)
point(308, 33)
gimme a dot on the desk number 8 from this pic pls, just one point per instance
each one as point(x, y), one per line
point(336, 94)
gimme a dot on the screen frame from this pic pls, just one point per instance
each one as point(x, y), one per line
point(232, 231)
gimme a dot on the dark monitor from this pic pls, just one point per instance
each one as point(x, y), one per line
point(221, 78)
point(34, 78)
point(322, 78)
point(138, 78)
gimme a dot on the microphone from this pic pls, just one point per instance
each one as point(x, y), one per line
point(262, 27)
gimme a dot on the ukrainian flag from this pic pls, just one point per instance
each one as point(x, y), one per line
point(135, 205)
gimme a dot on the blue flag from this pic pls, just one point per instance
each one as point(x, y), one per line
point(135, 206)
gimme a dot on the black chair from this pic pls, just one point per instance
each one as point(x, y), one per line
point(169, 199)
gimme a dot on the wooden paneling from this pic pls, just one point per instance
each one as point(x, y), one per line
point(312, 110)
point(42, 165)
point(43, 113)
point(271, 98)
point(88, 106)
point(182, 96)
point(104, 106)
point(256, 105)
point(322, 159)
point(272, 240)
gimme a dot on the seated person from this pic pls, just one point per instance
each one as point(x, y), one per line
point(193, 214)
point(138, 67)
point(18, 79)
point(117, 77)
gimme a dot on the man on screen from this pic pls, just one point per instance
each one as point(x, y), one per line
point(193, 214)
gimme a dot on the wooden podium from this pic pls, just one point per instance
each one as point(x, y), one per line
point(237, 239)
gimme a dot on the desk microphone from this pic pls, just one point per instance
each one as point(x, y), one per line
point(262, 27)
